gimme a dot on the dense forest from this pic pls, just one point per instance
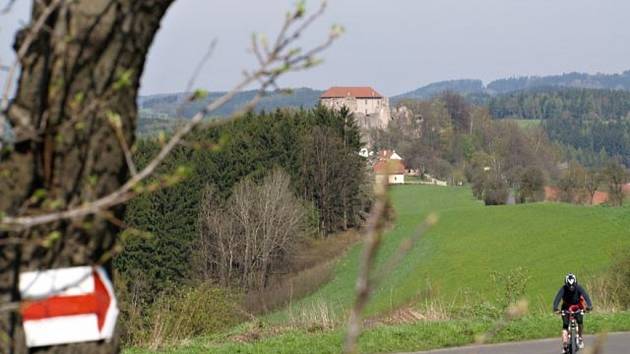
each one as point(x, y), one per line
point(553, 102)
point(589, 122)
point(570, 80)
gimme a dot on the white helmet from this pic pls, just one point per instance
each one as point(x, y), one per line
point(570, 280)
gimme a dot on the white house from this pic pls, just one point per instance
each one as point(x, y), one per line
point(389, 165)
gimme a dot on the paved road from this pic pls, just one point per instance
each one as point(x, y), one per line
point(616, 343)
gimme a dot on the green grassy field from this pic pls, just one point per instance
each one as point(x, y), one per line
point(457, 257)
point(452, 265)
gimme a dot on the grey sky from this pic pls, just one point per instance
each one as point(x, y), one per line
point(394, 46)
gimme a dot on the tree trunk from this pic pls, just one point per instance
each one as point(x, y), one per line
point(83, 66)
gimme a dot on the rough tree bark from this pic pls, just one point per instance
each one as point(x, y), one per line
point(84, 66)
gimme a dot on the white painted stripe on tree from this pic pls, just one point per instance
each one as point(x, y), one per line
point(60, 330)
point(65, 282)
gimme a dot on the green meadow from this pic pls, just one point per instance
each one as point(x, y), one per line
point(454, 262)
point(466, 261)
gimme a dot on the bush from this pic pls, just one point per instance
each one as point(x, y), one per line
point(511, 286)
point(495, 191)
point(612, 291)
point(532, 185)
point(185, 313)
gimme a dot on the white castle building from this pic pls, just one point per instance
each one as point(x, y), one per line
point(370, 108)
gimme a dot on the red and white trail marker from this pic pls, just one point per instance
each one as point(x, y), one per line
point(67, 305)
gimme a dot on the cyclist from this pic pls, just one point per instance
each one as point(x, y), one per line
point(571, 293)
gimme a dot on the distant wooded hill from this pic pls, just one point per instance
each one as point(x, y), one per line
point(477, 92)
point(160, 112)
point(167, 105)
point(590, 121)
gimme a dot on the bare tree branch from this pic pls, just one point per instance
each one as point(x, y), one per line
point(115, 122)
point(372, 240)
point(365, 281)
point(200, 65)
point(193, 77)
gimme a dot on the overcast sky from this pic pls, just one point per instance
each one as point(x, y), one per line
point(394, 46)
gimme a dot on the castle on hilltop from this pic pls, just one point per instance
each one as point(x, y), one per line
point(370, 108)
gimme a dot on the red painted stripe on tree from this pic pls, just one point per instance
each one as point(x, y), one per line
point(56, 306)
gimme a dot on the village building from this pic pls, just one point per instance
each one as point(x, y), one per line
point(389, 165)
point(388, 155)
point(370, 108)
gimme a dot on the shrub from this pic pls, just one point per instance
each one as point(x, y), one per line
point(495, 191)
point(532, 185)
point(184, 313)
point(511, 286)
point(611, 291)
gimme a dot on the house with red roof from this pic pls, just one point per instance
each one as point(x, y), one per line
point(370, 108)
point(389, 165)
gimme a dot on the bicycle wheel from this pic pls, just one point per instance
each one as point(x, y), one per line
point(573, 347)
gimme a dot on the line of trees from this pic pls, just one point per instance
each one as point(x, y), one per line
point(578, 184)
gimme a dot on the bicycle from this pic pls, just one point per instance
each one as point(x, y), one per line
point(573, 327)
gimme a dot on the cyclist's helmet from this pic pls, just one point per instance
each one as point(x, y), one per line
point(570, 281)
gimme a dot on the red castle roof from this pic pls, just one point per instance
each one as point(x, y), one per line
point(356, 92)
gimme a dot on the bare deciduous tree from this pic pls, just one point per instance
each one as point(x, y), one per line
point(256, 230)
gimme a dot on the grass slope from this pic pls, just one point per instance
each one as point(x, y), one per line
point(470, 241)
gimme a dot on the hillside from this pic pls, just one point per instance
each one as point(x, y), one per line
point(572, 80)
point(590, 121)
point(477, 92)
point(454, 261)
point(166, 105)
point(464, 87)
